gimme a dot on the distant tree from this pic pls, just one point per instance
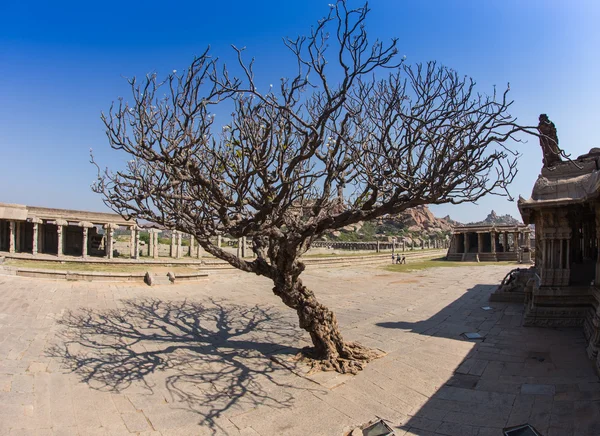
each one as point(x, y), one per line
point(145, 237)
point(354, 135)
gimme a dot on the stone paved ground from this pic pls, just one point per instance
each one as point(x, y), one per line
point(217, 358)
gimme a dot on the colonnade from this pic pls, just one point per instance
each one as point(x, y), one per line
point(378, 246)
point(47, 243)
point(176, 249)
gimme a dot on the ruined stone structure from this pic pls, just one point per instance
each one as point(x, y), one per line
point(565, 208)
point(61, 232)
point(28, 229)
point(490, 243)
point(378, 246)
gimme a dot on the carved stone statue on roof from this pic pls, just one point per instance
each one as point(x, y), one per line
point(549, 141)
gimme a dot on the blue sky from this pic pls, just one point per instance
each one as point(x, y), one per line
point(62, 63)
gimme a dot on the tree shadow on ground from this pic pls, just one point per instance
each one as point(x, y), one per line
point(210, 357)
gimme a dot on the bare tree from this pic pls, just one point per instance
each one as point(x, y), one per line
point(312, 154)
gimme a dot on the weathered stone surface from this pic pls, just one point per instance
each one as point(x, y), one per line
point(197, 360)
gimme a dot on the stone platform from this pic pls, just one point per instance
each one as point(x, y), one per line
point(105, 359)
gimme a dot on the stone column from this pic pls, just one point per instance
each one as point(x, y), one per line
point(109, 233)
point(243, 246)
point(467, 240)
point(480, 242)
point(191, 252)
point(377, 247)
point(59, 231)
point(84, 243)
point(172, 251)
point(34, 239)
point(84, 246)
point(179, 253)
point(219, 241)
point(136, 243)
point(131, 242)
point(239, 247)
point(151, 242)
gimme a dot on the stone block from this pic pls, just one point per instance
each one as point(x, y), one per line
point(537, 389)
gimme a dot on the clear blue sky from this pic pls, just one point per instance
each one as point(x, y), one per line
point(61, 63)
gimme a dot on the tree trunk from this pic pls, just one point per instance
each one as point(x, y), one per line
point(330, 351)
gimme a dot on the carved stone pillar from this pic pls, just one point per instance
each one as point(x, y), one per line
point(480, 242)
point(59, 232)
point(131, 242)
point(34, 236)
point(151, 242)
point(179, 253)
point(109, 233)
point(243, 246)
point(84, 245)
point(136, 243)
point(172, 250)
point(219, 241)
point(84, 240)
point(493, 240)
point(191, 252)
point(111, 242)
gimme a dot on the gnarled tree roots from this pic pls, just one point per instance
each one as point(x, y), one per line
point(351, 359)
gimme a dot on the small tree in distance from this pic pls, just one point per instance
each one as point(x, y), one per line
point(311, 155)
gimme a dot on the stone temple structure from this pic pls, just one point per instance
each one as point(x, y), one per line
point(563, 289)
point(490, 243)
point(37, 231)
point(28, 229)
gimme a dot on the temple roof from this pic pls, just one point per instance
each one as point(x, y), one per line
point(486, 228)
point(20, 212)
point(565, 183)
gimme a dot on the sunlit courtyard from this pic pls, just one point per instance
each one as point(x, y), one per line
point(219, 357)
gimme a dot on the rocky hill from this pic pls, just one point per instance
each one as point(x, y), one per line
point(494, 218)
point(420, 219)
point(415, 223)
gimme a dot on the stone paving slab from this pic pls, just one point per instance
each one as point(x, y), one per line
point(218, 358)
